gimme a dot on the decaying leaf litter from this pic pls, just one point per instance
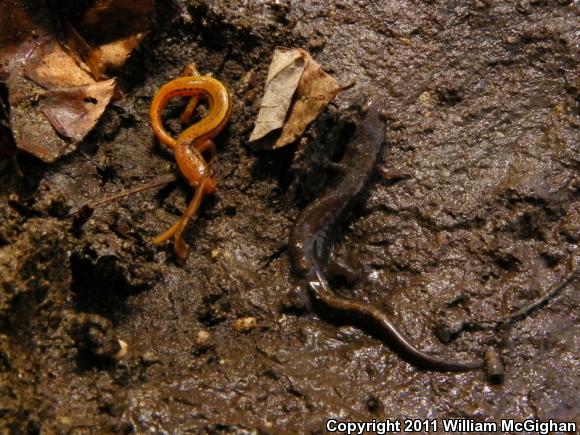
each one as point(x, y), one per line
point(297, 89)
point(166, 314)
point(55, 78)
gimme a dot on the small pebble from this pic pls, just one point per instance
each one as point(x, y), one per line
point(449, 326)
point(202, 342)
point(148, 358)
point(494, 366)
point(244, 324)
point(374, 405)
point(202, 338)
point(123, 349)
point(426, 99)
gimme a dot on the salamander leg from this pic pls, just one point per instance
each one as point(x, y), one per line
point(187, 113)
point(209, 146)
point(180, 248)
point(189, 70)
point(166, 235)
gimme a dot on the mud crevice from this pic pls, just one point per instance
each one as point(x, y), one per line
point(100, 285)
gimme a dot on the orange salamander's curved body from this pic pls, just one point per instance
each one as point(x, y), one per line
point(193, 141)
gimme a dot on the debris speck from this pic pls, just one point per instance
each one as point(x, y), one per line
point(244, 324)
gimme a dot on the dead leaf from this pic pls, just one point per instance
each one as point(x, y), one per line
point(74, 111)
point(31, 130)
point(114, 54)
point(50, 67)
point(297, 90)
point(315, 90)
point(50, 123)
point(106, 20)
point(19, 34)
point(108, 31)
point(283, 76)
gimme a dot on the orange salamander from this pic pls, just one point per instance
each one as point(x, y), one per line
point(189, 145)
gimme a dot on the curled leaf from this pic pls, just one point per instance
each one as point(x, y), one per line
point(108, 31)
point(74, 111)
point(54, 59)
point(297, 90)
point(283, 76)
point(315, 90)
point(37, 114)
point(50, 66)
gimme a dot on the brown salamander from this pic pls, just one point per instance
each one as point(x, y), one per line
point(313, 236)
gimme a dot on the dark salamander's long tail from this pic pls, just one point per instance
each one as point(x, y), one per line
point(377, 319)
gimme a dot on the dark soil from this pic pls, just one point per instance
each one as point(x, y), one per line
point(477, 214)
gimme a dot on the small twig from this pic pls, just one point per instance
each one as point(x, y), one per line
point(526, 310)
point(117, 196)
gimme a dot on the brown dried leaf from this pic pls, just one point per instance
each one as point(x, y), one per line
point(114, 54)
point(83, 53)
point(113, 29)
point(284, 75)
point(32, 131)
point(51, 67)
point(37, 115)
point(19, 35)
point(315, 90)
point(74, 111)
point(53, 97)
point(106, 21)
point(297, 90)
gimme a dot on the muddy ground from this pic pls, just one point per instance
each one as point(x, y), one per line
point(478, 214)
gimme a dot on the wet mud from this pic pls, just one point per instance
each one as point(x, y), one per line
point(474, 212)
